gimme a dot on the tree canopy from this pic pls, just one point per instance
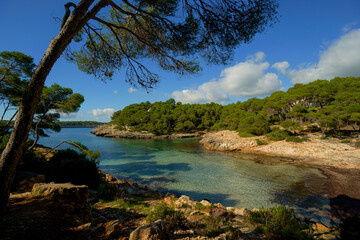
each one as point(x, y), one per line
point(175, 34)
point(329, 105)
point(16, 69)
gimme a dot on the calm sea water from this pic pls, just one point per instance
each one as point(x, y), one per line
point(184, 167)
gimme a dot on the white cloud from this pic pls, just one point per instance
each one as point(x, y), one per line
point(257, 57)
point(102, 112)
point(207, 92)
point(348, 27)
point(281, 66)
point(131, 89)
point(116, 91)
point(245, 79)
point(248, 79)
point(70, 115)
point(341, 59)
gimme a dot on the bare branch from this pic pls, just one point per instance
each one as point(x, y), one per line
point(67, 13)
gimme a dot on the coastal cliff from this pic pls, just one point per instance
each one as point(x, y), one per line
point(111, 131)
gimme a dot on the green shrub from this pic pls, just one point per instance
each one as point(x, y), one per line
point(215, 225)
point(296, 139)
point(345, 141)
point(106, 192)
point(130, 204)
point(357, 144)
point(3, 141)
point(349, 229)
point(171, 217)
point(246, 134)
point(71, 166)
point(291, 125)
point(159, 212)
point(276, 134)
point(33, 161)
point(280, 223)
point(200, 206)
point(260, 142)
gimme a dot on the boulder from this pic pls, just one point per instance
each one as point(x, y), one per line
point(62, 192)
point(241, 211)
point(152, 231)
point(321, 228)
point(219, 205)
point(112, 229)
point(206, 203)
point(184, 201)
point(68, 201)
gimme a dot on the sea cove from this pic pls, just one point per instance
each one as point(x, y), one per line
point(182, 166)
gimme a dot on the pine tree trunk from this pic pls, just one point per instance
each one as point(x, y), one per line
point(14, 148)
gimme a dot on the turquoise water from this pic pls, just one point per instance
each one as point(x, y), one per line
point(184, 167)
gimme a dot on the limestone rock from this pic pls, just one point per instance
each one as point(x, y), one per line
point(321, 228)
point(112, 229)
point(219, 205)
point(152, 231)
point(66, 192)
point(183, 201)
point(227, 141)
point(241, 211)
point(107, 130)
point(206, 203)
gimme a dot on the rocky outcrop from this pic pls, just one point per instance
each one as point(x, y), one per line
point(50, 211)
point(227, 141)
point(69, 201)
point(65, 192)
point(111, 131)
point(152, 231)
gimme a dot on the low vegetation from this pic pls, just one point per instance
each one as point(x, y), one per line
point(173, 219)
point(260, 142)
point(280, 223)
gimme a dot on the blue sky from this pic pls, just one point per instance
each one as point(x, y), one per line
point(314, 39)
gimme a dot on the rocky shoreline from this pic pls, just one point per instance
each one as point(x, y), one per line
point(111, 131)
point(315, 151)
point(67, 211)
point(339, 162)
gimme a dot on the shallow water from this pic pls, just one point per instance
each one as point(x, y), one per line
point(184, 167)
